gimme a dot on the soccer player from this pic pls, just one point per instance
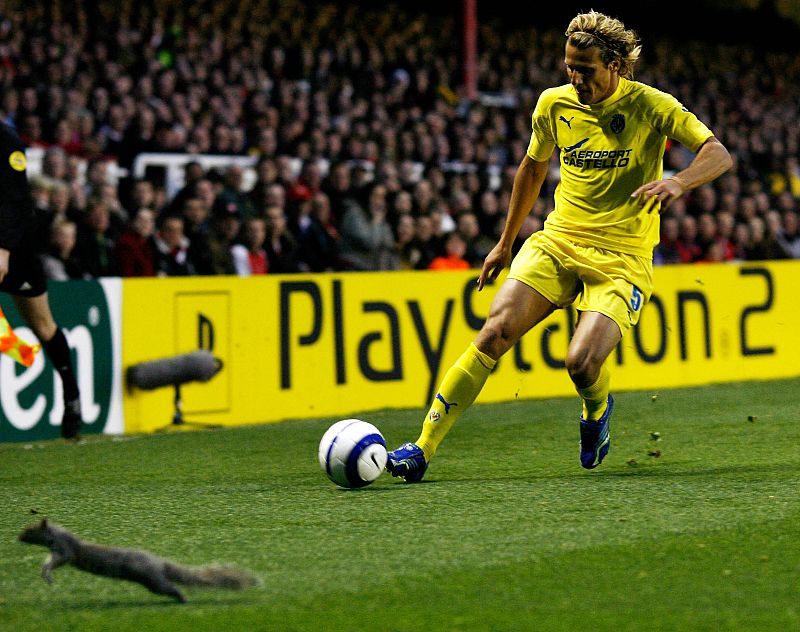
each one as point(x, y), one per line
point(596, 247)
point(22, 275)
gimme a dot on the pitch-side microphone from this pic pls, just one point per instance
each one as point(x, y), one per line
point(197, 366)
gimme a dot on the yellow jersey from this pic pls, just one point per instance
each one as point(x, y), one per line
point(607, 151)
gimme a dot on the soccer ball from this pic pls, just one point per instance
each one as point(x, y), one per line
point(352, 453)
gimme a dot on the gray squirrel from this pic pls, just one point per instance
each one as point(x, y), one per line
point(155, 573)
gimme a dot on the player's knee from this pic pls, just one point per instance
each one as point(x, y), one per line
point(583, 366)
point(495, 338)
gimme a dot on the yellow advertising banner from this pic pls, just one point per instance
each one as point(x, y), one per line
point(305, 346)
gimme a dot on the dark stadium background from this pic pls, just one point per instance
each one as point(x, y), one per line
point(774, 21)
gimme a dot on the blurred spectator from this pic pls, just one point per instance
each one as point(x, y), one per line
point(195, 215)
point(250, 257)
point(140, 137)
point(443, 224)
point(775, 244)
point(96, 176)
point(741, 241)
point(712, 253)
point(113, 131)
point(762, 244)
point(307, 184)
point(339, 189)
point(489, 213)
point(204, 189)
point(31, 131)
point(724, 237)
point(405, 239)
point(118, 216)
point(402, 204)
point(367, 242)
point(424, 248)
point(135, 249)
point(706, 230)
point(455, 248)
point(425, 199)
point(688, 246)
point(667, 251)
point(789, 236)
point(281, 247)
point(470, 231)
point(756, 247)
point(326, 253)
point(192, 174)
point(172, 248)
point(232, 197)
point(59, 261)
point(40, 190)
point(142, 195)
point(316, 246)
point(225, 228)
point(94, 249)
point(266, 176)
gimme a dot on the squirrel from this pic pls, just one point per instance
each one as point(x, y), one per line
point(157, 574)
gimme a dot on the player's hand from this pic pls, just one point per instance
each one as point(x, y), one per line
point(4, 254)
point(496, 260)
point(663, 191)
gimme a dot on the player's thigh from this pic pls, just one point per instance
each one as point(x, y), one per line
point(35, 310)
point(515, 309)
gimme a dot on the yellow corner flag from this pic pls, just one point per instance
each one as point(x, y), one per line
point(10, 344)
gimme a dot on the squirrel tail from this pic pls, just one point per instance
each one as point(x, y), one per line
point(215, 575)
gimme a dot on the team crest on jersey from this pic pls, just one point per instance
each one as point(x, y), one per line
point(617, 123)
point(17, 161)
point(435, 416)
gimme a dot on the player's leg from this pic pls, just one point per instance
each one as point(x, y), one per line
point(595, 337)
point(515, 309)
point(35, 310)
point(615, 288)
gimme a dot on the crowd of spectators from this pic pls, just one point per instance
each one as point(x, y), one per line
point(367, 156)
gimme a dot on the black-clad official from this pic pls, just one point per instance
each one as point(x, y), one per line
point(21, 273)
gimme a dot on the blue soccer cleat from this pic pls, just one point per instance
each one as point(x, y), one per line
point(407, 462)
point(595, 440)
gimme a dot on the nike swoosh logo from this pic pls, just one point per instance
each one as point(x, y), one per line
point(576, 145)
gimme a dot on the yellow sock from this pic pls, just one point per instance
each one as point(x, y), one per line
point(459, 388)
point(595, 397)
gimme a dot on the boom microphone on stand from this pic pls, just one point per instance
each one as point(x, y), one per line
point(197, 366)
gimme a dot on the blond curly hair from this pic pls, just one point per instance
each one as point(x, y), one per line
point(609, 35)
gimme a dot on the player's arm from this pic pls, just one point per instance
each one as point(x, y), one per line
point(710, 162)
point(527, 184)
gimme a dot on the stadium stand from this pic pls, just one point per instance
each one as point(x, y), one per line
point(316, 110)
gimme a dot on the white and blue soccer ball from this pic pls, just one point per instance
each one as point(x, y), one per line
point(352, 453)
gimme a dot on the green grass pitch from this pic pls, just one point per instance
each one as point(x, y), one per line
point(691, 523)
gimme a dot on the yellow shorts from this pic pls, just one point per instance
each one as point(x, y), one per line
point(612, 283)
